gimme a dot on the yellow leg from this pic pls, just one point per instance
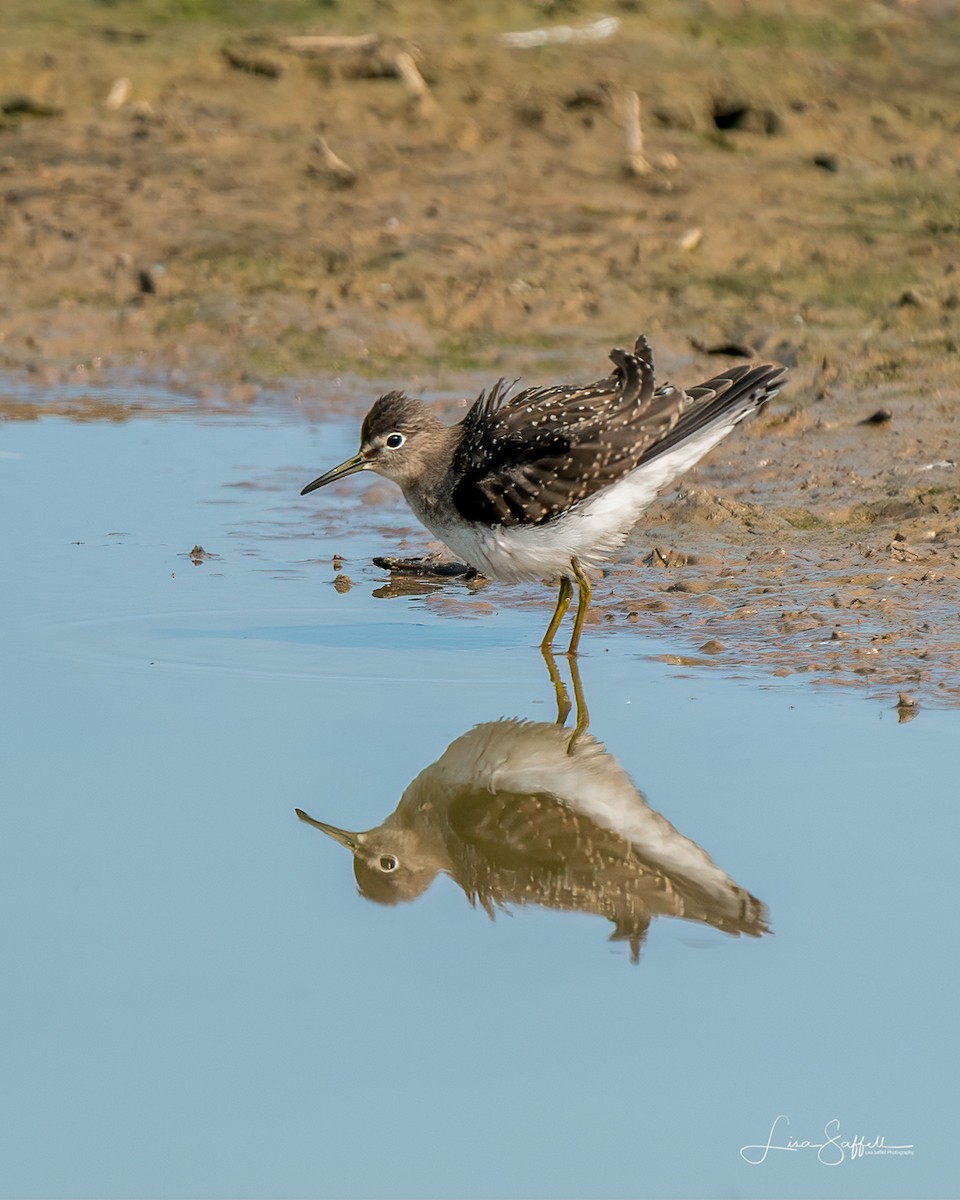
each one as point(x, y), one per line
point(583, 603)
point(563, 698)
point(583, 717)
point(564, 596)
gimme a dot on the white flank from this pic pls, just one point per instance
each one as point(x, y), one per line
point(590, 531)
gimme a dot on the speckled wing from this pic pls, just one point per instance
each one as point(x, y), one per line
point(525, 458)
point(528, 848)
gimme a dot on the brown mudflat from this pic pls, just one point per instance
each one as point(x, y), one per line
point(246, 217)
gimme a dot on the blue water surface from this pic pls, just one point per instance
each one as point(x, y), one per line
point(197, 1002)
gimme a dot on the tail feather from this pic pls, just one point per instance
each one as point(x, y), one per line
point(637, 380)
point(725, 399)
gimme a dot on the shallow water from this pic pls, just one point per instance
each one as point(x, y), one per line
point(198, 1002)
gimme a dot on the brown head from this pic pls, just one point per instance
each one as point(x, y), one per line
point(387, 864)
point(399, 439)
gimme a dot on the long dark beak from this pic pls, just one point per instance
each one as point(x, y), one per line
point(350, 467)
point(350, 840)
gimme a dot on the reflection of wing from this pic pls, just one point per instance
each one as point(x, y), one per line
point(511, 830)
point(530, 848)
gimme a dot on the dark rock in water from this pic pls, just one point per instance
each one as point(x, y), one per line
point(430, 565)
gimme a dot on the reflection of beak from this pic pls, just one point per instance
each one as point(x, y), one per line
point(350, 840)
point(350, 467)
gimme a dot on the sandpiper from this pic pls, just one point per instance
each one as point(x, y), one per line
point(544, 482)
point(515, 815)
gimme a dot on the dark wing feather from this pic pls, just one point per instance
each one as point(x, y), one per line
point(745, 387)
point(525, 458)
point(529, 848)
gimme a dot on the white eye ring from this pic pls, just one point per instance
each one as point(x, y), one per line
point(388, 863)
point(394, 441)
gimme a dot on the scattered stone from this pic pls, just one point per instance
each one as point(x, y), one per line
point(880, 417)
point(665, 558)
point(827, 162)
point(901, 551)
point(118, 95)
point(712, 647)
point(691, 239)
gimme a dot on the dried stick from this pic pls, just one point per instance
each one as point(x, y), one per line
point(415, 83)
point(636, 163)
point(345, 175)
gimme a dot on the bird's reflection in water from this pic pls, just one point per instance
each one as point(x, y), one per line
point(526, 812)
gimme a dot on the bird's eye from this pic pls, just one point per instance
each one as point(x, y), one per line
point(388, 862)
point(395, 441)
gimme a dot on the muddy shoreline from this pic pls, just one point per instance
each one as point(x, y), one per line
point(191, 229)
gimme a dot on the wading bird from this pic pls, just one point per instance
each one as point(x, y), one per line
point(544, 482)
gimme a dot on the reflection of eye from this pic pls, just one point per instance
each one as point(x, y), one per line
point(393, 442)
point(388, 862)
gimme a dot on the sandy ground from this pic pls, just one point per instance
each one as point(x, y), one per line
point(194, 200)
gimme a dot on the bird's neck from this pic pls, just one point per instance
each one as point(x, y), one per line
point(431, 485)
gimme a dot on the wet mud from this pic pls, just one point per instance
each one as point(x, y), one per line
point(202, 203)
